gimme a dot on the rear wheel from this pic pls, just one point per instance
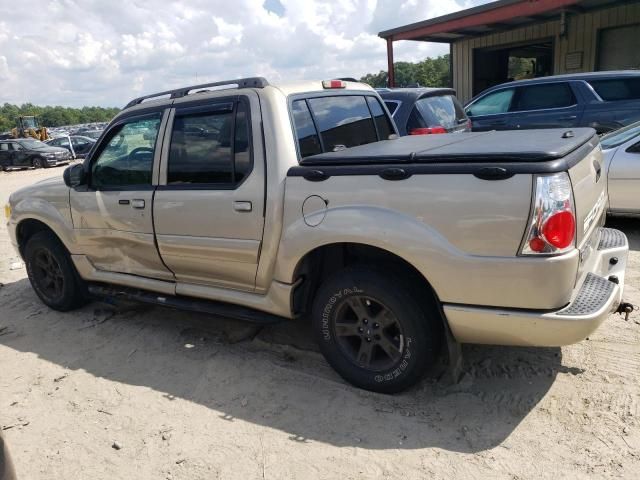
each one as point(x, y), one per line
point(52, 274)
point(37, 162)
point(373, 329)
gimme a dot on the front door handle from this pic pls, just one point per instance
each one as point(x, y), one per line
point(242, 206)
point(137, 203)
point(569, 117)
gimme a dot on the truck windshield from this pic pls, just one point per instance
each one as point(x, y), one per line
point(328, 124)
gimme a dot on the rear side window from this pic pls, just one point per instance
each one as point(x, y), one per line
point(442, 110)
point(4, 147)
point(210, 147)
point(617, 89)
point(392, 106)
point(539, 97)
point(492, 103)
point(327, 124)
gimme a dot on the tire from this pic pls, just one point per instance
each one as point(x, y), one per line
point(37, 162)
point(52, 273)
point(360, 314)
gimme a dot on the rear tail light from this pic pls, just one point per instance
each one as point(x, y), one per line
point(469, 125)
point(552, 229)
point(334, 84)
point(427, 131)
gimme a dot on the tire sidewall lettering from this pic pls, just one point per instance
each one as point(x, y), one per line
point(400, 369)
point(327, 311)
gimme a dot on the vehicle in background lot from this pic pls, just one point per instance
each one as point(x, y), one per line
point(78, 145)
point(28, 126)
point(290, 200)
point(94, 134)
point(621, 152)
point(28, 152)
point(604, 101)
point(421, 111)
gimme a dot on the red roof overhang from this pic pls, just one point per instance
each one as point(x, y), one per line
point(477, 20)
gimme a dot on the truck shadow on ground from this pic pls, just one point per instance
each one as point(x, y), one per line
point(273, 376)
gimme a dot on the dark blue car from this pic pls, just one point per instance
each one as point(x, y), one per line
point(603, 100)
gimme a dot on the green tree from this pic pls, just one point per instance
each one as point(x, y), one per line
point(54, 116)
point(431, 72)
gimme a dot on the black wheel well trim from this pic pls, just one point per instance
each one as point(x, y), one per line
point(27, 228)
point(322, 261)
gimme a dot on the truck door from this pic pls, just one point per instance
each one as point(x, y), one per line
point(112, 215)
point(209, 204)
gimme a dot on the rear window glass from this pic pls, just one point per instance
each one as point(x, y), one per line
point(442, 110)
point(538, 97)
point(308, 140)
point(617, 89)
point(617, 138)
point(383, 126)
point(327, 124)
point(343, 121)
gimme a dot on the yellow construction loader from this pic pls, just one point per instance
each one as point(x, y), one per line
point(27, 127)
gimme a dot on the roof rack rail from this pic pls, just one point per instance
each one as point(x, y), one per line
point(251, 82)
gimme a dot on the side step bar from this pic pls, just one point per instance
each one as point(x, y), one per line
point(212, 307)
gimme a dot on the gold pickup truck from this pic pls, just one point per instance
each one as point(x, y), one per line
point(300, 201)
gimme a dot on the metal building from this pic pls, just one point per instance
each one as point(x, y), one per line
point(513, 39)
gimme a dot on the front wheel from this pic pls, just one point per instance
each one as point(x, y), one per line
point(37, 162)
point(52, 274)
point(373, 330)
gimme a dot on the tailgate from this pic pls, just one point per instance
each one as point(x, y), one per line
point(589, 181)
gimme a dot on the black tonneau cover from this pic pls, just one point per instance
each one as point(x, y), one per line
point(512, 146)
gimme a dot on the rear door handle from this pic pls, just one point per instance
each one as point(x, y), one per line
point(137, 203)
point(242, 206)
point(570, 117)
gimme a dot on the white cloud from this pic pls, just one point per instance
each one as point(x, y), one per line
point(94, 52)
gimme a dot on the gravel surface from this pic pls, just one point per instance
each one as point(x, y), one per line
point(151, 393)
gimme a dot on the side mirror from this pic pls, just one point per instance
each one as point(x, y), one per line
point(74, 176)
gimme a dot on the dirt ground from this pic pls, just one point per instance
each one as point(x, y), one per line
point(152, 393)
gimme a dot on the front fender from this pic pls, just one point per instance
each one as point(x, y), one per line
point(55, 215)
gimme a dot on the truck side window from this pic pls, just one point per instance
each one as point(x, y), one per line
point(210, 147)
point(343, 121)
point(305, 129)
point(126, 156)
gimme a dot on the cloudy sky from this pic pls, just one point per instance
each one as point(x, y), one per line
point(104, 52)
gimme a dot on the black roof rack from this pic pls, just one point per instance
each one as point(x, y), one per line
point(252, 82)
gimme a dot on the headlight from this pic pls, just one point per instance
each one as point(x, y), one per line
point(7, 211)
point(50, 155)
